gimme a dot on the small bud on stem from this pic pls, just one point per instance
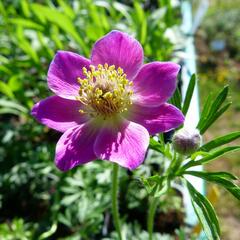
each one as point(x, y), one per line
point(186, 141)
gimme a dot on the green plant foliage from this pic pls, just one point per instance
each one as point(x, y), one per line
point(210, 156)
point(189, 94)
point(224, 179)
point(17, 229)
point(176, 99)
point(39, 202)
point(72, 204)
point(220, 141)
point(205, 213)
point(213, 109)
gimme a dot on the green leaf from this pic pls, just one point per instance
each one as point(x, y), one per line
point(220, 178)
point(67, 8)
point(26, 23)
point(235, 192)
point(199, 153)
point(13, 105)
point(143, 35)
point(220, 141)
point(9, 111)
point(24, 44)
point(176, 99)
point(215, 117)
point(140, 21)
point(49, 233)
point(218, 101)
point(211, 156)
point(14, 83)
point(95, 26)
point(45, 45)
point(55, 37)
point(161, 189)
point(189, 94)
point(156, 185)
point(69, 199)
point(139, 11)
point(61, 20)
point(221, 97)
point(205, 111)
point(25, 8)
point(124, 10)
point(211, 110)
point(3, 9)
point(155, 145)
point(5, 70)
point(205, 213)
point(212, 175)
point(6, 90)
point(218, 153)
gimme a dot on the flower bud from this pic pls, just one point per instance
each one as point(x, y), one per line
point(186, 141)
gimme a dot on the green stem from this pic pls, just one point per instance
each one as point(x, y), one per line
point(115, 211)
point(151, 214)
point(177, 164)
point(174, 166)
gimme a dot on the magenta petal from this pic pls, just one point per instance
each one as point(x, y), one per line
point(119, 49)
point(126, 146)
point(58, 113)
point(63, 72)
point(75, 147)
point(157, 119)
point(155, 83)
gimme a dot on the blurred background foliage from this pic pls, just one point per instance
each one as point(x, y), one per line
point(36, 200)
point(218, 55)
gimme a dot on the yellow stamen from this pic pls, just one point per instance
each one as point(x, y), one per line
point(105, 91)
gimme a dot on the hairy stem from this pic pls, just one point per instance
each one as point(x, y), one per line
point(115, 212)
point(151, 214)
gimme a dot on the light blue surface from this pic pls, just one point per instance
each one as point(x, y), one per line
point(189, 67)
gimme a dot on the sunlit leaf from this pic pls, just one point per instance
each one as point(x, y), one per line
point(26, 23)
point(210, 157)
point(212, 110)
point(13, 105)
point(220, 141)
point(189, 94)
point(176, 99)
point(205, 213)
point(61, 20)
point(49, 233)
point(223, 179)
point(155, 145)
point(6, 90)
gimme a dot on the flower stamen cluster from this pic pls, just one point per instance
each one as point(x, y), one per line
point(105, 91)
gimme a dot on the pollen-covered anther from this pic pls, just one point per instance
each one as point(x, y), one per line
point(105, 91)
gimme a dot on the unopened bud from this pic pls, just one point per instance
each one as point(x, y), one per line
point(186, 141)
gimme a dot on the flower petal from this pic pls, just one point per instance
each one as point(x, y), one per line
point(155, 83)
point(119, 49)
point(58, 113)
point(157, 119)
point(63, 72)
point(126, 145)
point(75, 147)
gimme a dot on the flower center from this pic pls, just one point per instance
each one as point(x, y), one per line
point(105, 91)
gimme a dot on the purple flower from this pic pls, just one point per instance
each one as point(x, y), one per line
point(107, 106)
